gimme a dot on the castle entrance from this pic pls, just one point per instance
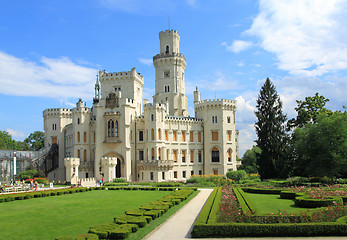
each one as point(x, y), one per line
point(118, 168)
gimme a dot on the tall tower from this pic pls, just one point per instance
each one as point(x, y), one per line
point(169, 74)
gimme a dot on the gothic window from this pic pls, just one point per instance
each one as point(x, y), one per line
point(152, 134)
point(167, 49)
point(78, 120)
point(192, 156)
point(159, 154)
point(85, 137)
point(152, 117)
point(175, 156)
point(212, 119)
point(78, 137)
point(116, 129)
point(152, 153)
point(159, 134)
point(192, 136)
point(110, 128)
point(166, 135)
point(183, 136)
point(79, 153)
point(229, 155)
point(229, 135)
point(85, 155)
point(140, 136)
point(174, 136)
point(215, 155)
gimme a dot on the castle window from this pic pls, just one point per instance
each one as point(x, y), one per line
point(228, 119)
point(163, 175)
point(152, 134)
point(199, 157)
point(212, 119)
point(152, 117)
point(85, 155)
point(167, 74)
point(183, 136)
point(94, 137)
point(78, 120)
point(79, 153)
point(200, 172)
point(191, 136)
point(152, 176)
point(214, 136)
point(174, 136)
point(167, 154)
point(159, 154)
point(199, 136)
point(141, 155)
point(166, 135)
point(78, 137)
point(183, 174)
point(175, 174)
point(116, 129)
point(229, 155)
point(85, 137)
point(215, 171)
point(110, 128)
point(215, 155)
point(183, 156)
point(159, 134)
point(167, 49)
point(152, 153)
point(229, 135)
point(192, 156)
point(140, 136)
point(175, 156)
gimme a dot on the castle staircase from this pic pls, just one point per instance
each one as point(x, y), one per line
point(47, 159)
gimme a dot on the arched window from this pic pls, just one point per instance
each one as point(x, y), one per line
point(159, 153)
point(78, 120)
point(212, 119)
point(152, 134)
point(85, 155)
point(167, 49)
point(116, 129)
point(152, 117)
point(152, 153)
point(159, 134)
point(229, 155)
point(215, 155)
point(85, 136)
point(78, 137)
point(79, 153)
point(110, 128)
point(168, 88)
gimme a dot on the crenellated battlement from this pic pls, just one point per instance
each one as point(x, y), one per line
point(57, 112)
point(149, 106)
point(216, 103)
point(104, 76)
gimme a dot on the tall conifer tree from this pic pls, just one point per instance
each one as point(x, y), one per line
point(270, 129)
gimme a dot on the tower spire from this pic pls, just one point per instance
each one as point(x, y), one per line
point(97, 87)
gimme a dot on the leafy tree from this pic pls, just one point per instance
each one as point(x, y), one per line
point(320, 149)
point(35, 140)
point(6, 141)
point(308, 111)
point(238, 175)
point(270, 129)
point(249, 160)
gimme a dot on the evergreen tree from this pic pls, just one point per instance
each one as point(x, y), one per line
point(270, 129)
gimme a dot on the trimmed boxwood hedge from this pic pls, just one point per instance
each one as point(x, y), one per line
point(213, 217)
point(269, 230)
point(305, 202)
point(262, 190)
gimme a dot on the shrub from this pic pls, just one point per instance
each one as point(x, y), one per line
point(262, 190)
point(167, 184)
point(87, 236)
point(205, 211)
point(305, 202)
point(64, 237)
point(238, 175)
point(213, 217)
point(119, 180)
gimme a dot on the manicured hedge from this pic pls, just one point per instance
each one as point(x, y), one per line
point(269, 230)
point(262, 190)
point(213, 217)
point(205, 211)
point(244, 202)
point(305, 202)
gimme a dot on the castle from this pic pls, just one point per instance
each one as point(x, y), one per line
point(123, 135)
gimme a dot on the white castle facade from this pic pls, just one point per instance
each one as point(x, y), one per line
point(124, 136)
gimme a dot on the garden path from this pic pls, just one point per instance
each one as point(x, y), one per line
point(179, 225)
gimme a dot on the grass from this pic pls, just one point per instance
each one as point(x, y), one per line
point(142, 232)
point(72, 214)
point(265, 203)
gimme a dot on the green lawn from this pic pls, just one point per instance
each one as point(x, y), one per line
point(71, 214)
point(270, 203)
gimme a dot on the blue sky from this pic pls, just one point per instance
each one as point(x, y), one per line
point(50, 52)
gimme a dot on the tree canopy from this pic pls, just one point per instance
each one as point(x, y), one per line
point(249, 160)
point(33, 142)
point(270, 129)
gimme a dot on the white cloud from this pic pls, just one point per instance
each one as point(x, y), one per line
point(146, 61)
point(241, 64)
point(308, 37)
point(15, 133)
point(191, 2)
point(237, 46)
point(57, 78)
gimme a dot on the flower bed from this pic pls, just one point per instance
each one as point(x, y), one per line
point(236, 220)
